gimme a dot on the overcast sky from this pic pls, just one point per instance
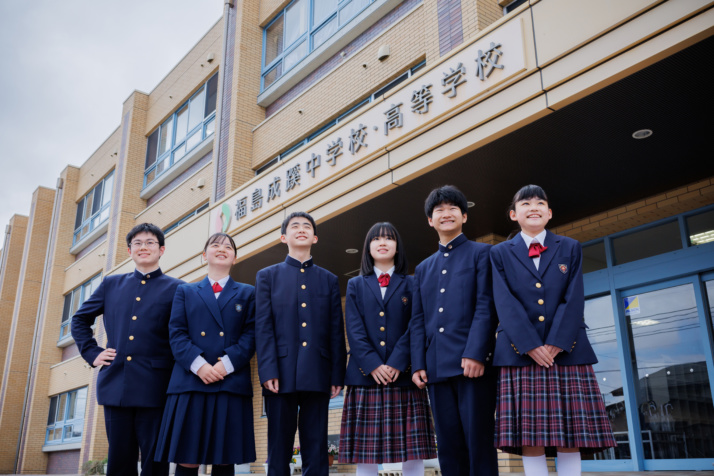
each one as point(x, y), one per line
point(67, 66)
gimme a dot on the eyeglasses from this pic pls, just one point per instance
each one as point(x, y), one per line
point(148, 244)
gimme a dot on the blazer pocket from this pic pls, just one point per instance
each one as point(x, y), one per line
point(282, 351)
point(162, 364)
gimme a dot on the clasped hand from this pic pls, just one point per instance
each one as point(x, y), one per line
point(385, 374)
point(212, 373)
point(544, 355)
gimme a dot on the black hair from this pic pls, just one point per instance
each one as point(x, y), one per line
point(145, 228)
point(387, 230)
point(526, 192)
point(218, 238)
point(447, 194)
point(284, 226)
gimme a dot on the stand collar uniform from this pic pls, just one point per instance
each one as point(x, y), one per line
point(151, 274)
point(453, 243)
point(293, 262)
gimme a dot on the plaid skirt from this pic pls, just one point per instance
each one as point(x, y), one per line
point(386, 425)
point(550, 407)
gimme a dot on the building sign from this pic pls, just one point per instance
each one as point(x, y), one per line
point(471, 72)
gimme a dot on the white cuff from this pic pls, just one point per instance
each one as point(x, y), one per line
point(227, 364)
point(197, 364)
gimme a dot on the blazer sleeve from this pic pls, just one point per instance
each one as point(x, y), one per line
point(82, 323)
point(361, 349)
point(241, 353)
point(417, 334)
point(337, 336)
point(265, 329)
point(511, 313)
point(400, 356)
point(183, 348)
point(568, 317)
point(481, 335)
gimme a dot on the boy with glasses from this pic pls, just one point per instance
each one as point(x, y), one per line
point(136, 364)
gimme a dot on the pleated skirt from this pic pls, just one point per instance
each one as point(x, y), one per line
point(551, 407)
point(207, 428)
point(386, 425)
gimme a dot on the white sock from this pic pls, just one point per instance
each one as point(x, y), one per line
point(364, 469)
point(413, 467)
point(569, 464)
point(535, 465)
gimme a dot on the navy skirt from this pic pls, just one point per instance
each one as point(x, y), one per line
point(386, 425)
point(207, 428)
point(556, 406)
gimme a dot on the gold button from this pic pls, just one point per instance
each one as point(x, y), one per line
point(203, 333)
point(220, 334)
point(304, 344)
point(449, 246)
point(304, 324)
point(148, 276)
point(302, 270)
point(219, 358)
point(381, 313)
point(382, 343)
point(303, 286)
point(304, 305)
point(143, 282)
point(446, 255)
point(381, 329)
point(541, 318)
point(128, 357)
point(538, 285)
point(133, 318)
point(131, 337)
point(138, 299)
point(540, 301)
point(443, 271)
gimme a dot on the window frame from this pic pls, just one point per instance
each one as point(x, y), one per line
point(169, 156)
point(93, 221)
point(68, 307)
point(65, 422)
point(307, 36)
point(185, 218)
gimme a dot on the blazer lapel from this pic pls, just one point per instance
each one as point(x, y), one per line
point(520, 250)
point(394, 282)
point(552, 242)
point(209, 297)
point(373, 285)
point(227, 294)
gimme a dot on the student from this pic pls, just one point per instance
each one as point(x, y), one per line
point(452, 333)
point(301, 349)
point(209, 412)
point(135, 366)
point(386, 419)
point(548, 396)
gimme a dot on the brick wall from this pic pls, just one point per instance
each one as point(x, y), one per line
point(63, 462)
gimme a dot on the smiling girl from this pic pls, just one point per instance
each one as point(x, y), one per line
point(208, 418)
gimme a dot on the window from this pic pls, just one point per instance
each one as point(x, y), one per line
point(379, 93)
point(93, 209)
point(300, 28)
point(66, 418)
point(73, 300)
point(193, 121)
point(192, 214)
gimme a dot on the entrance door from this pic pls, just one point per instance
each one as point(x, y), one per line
point(669, 346)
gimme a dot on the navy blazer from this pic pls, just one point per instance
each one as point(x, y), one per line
point(136, 309)
point(203, 325)
point(299, 330)
point(378, 329)
point(540, 306)
point(453, 316)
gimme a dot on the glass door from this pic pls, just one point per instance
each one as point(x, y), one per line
point(669, 346)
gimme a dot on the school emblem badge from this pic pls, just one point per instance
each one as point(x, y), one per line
point(405, 300)
point(563, 268)
point(239, 308)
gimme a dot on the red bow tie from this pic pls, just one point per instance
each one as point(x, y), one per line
point(535, 249)
point(217, 288)
point(383, 280)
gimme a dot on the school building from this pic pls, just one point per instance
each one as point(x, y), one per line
point(353, 110)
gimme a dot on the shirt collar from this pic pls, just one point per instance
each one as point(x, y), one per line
point(378, 271)
point(540, 237)
point(293, 262)
point(453, 243)
point(221, 281)
point(152, 274)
